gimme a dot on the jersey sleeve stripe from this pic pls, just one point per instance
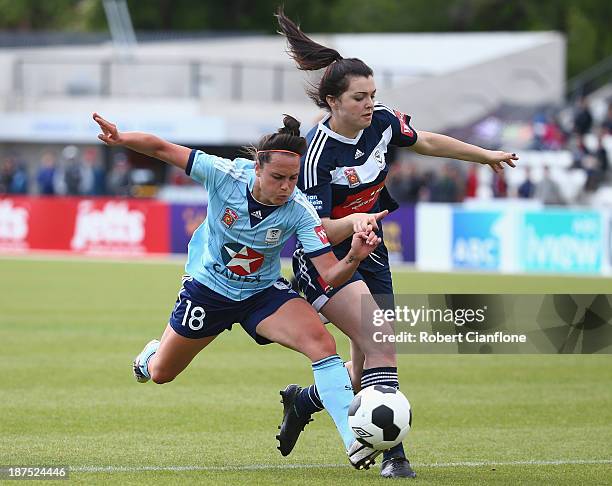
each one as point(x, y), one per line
point(192, 155)
point(309, 153)
point(380, 106)
point(316, 253)
point(316, 160)
point(229, 167)
point(308, 165)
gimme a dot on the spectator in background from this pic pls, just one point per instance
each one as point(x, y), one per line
point(601, 153)
point(583, 120)
point(119, 182)
point(547, 190)
point(607, 122)
point(500, 186)
point(527, 188)
point(21, 179)
point(45, 176)
point(445, 189)
point(71, 172)
point(579, 152)
point(7, 171)
point(94, 175)
point(405, 182)
point(471, 183)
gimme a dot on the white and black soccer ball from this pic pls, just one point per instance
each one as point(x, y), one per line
point(380, 416)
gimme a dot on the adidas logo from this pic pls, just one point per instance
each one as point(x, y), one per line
point(358, 153)
point(257, 214)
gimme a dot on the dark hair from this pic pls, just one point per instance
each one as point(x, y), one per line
point(311, 56)
point(286, 138)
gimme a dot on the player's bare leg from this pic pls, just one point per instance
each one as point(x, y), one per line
point(163, 360)
point(296, 325)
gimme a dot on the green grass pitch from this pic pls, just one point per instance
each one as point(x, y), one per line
point(69, 330)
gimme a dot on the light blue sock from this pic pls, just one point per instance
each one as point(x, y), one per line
point(336, 392)
point(145, 355)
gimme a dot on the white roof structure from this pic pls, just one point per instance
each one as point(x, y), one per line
point(232, 90)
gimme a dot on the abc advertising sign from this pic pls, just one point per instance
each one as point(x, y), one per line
point(477, 239)
point(89, 226)
point(562, 241)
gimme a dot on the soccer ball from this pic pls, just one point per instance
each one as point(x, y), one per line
point(380, 417)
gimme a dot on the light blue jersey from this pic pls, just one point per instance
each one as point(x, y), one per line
point(236, 250)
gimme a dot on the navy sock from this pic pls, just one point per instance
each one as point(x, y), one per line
point(308, 401)
point(384, 376)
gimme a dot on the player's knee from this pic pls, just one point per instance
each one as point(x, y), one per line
point(320, 343)
point(161, 376)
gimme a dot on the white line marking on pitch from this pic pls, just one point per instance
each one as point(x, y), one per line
point(257, 467)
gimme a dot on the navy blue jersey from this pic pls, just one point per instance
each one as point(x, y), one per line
point(342, 176)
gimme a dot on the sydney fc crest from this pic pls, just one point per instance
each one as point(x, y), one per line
point(229, 217)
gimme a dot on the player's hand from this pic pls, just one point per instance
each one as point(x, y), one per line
point(363, 244)
point(367, 222)
point(110, 135)
point(497, 158)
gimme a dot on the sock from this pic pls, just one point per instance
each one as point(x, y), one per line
point(384, 376)
point(334, 385)
point(145, 355)
point(308, 401)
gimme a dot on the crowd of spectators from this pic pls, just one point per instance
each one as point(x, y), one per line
point(411, 181)
point(80, 171)
point(71, 172)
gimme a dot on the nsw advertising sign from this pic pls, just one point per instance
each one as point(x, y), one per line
point(562, 241)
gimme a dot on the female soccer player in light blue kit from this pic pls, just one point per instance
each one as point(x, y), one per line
point(233, 265)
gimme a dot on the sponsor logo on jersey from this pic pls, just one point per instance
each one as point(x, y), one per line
point(229, 217)
point(406, 130)
point(320, 232)
point(360, 202)
point(240, 259)
point(315, 201)
point(358, 153)
point(282, 284)
point(257, 214)
point(273, 236)
point(352, 177)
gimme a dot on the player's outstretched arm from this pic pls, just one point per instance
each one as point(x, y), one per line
point(145, 143)
point(437, 145)
point(336, 272)
point(339, 230)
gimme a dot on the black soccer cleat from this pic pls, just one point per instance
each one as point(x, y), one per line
point(397, 467)
point(292, 425)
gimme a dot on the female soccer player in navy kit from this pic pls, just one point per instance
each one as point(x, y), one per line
point(233, 265)
point(343, 175)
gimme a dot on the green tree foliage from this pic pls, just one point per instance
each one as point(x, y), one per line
point(586, 23)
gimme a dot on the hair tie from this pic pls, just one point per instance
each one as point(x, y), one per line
point(274, 150)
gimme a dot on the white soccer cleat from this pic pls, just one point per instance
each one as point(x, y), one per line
point(141, 372)
point(361, 456)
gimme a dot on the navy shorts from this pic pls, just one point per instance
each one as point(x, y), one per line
point(317, 292)
point(199, 312)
